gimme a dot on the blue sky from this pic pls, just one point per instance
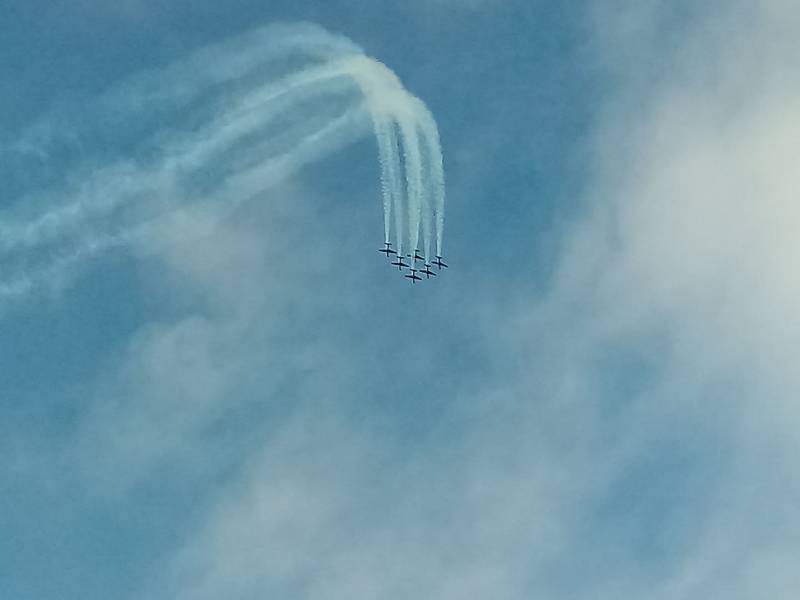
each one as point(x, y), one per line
point(598, 399)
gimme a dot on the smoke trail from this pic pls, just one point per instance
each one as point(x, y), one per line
point(426, 206)
point(436, 171)
point(413, 165)
point(222, 125)
point(384, 137)
point(396, 185)
point(248, 182)
point(118, 183)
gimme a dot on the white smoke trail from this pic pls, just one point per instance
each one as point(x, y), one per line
point(396, 186)
point(412, 159)
point(247, 183)
point(248, 112)
point(116, 184)
point(386, 158)
point(436, 173)
point(434, 180)
point(426, 214)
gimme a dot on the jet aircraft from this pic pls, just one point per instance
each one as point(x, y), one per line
point(413, 276)
point(427, 271)
point(399, 263)
point(417, 256)
point(438, 262)
point(387, 251)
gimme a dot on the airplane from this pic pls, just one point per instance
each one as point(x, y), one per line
point(438, 262)
point(427, 271)
point(400, 264)
point(387, 251)
point(417, 256)
point(413, 277)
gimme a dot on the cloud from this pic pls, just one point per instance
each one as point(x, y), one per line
point(225, 352)
point(702, 188)
point(622, 449)
point(632, 430)
point(691, 238)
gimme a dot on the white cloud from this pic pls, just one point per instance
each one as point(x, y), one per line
point(704, 202)
point(694, 235)
point(548, 479)
point(224, 349)
point(689, 258)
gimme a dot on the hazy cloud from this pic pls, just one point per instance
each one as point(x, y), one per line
point(566, 461)
point(633, 431)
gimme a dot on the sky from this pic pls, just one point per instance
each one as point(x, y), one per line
point(598, 399)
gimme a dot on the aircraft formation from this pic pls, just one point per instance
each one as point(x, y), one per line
point(411, 265)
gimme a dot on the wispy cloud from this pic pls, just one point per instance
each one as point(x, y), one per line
point(627, 436)
point(632, 433)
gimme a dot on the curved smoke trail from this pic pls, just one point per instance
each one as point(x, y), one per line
point(250, 111)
